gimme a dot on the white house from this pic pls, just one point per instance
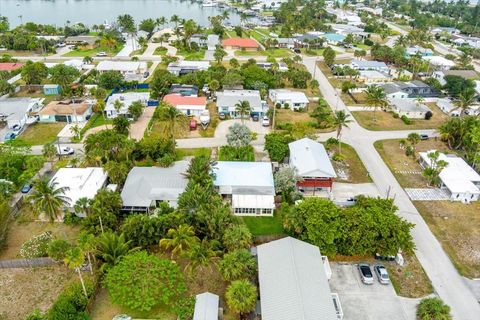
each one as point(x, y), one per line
point(249, 186)
point(206, 306)
point(296, 100)
point(14, 111)
point(369, 65)
point(409, 108)
point(131, 70)
point(392, 91)
point(80, 183)
point(439, 62)
point(465, 74)
point(126, 99)
point(417, 50)
point(227, 100)
point(447, 106)
point(183, 67)
point(373, 76)
point(189, 105)
point(458, 178)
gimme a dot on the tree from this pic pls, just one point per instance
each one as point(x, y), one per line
point(63, 75)
point(110, 79)
point(141, 281)
point(241, 297)
point(57, 249)
point(464, 61)
point(285, 182)
point(329, 56)
point(117, 171)
point(276, 145)
point(49, 151)
point(465, 99)
point(161, 82)
point(376, 98)
point(237, 237)
point(87, 60)
point(121, 125)
point(219, 54)
point(202, 255)
point(136, 109)
point(414, 139)
point(234, 63)
point(148, 25)
point(175, 122)
point(455, 85)
point(76, 131)
point(341, 120)
point(433, 309)
point(243, 108)
point(34, 72)
point(432, 172)
point(179, 240)
point(237, 264)
point(126, 23)
point(239, 135)
point(48, 198)
point(74, 259)
point(189, 29)
point(144, 230)
point(110, 248)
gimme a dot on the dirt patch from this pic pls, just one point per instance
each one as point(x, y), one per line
point(24, 290)
point(351, 168)
point(409, 280)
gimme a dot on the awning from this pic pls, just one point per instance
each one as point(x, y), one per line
point(253, 201)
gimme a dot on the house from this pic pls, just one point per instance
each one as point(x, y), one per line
point(184, 89)
point(183, 67)
point(288, 43)
point(126, 99)
point(52, 89)
point(439, 62)
point(240, 44)
point(460, 180)
point(248, 185)
point(313, 166)
point(206, 306)
point(189, 105)
point(10, 66)
point(409, 108)
point(305, 40)
point(345, 29)
point(369, 65)
point(465, 74)
point(199, 39)
point(130, 70)
point(67, 111)
point(15, 111)
point(227, 100)
point(415, 88)
point(146, 187)
point(213, 40)
point(295, 100)
point(79, 183)
point(78, 64)
point(446, 30)
point(292, 276)
point(393, 91)
point(82, 40)
point(417, 50)
point(282, 66)
point(333, 38)
point(447, 106)
point(373, 76)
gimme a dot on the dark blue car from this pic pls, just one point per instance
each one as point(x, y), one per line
point(10, 136)
point(27, 187)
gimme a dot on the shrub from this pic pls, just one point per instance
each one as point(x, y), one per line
point(433, 308)
point(71, 219)
point(71, 303)
point(368, 42)
point(229, 153)
point(338, 157)
point(428, 115)
point(57, 249)
point(184, 308)
point(37, 246)
point(406, 120)
point(409, 151)
point(396, 116)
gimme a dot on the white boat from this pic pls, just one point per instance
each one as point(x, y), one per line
point(209, 3)
point(205, 118)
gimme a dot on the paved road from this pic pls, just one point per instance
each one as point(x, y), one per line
point(447, 282)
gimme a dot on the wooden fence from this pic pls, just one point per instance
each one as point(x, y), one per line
point(26, 263)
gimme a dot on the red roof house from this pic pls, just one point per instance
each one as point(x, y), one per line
point(240, 43)
point(10, 66)
point(187, 104)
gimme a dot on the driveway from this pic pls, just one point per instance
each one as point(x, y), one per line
point(343, 191)
point(368, 302)
point(255, 126)
point(137, 129)
point(131, 44)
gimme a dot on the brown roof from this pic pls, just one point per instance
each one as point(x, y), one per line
point(65, 107)
point(466, 74)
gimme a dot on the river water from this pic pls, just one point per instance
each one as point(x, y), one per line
point(58, 12)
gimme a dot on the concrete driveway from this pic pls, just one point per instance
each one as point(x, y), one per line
point(368, 302)
point(137, 129)
point(255, 126)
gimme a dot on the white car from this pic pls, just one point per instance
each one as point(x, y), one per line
point(101, 54)
point(65, 151)
point(265, 122)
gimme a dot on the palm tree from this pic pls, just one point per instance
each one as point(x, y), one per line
point(202, 255)
point(87, 59)
point(199, 170)
point(118, 105)
point(48, 198)
point(161, 21)
point(100, 107)
point(74, 260)
point(241, 297)
point(179, 240)
point(121, 125)
point(341, 120)
point(236, 265)
point(110, 247)
point(86, 243)
point(76, 131)
point(82, 206)
point(108, 41)
point(465, 99)
point(414, 139)
point(175, 122)
point(376, 97)
point(175, 19)
point(49, 151)
point(243, 108)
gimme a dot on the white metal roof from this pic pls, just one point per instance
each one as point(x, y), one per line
point(439, 61)
point(293, 284)
point(206, 306)
point(127, 98)
point(245, 177)
point(81, 182)
point(15, 109)
point(310, 159)
point(253, 201)
point(285, 94)
point(229, 98)
point(122, 66)
point(408, 105)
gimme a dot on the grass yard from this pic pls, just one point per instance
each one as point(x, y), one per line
point(41, 133)
point(273, 52)
point(24, 290)
point(214, 120)
point(285, 116)
point(457, 227)
point(351, 167)
point(96, 120)
point(191, 55)
point(160, 51)
point(265, 226)
point(386, 121)
point(91, 52)
point(196, 152)
point(312, 52)
point(409, 280)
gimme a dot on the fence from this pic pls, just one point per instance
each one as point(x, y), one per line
point(26, 263)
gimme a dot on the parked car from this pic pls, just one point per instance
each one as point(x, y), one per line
point(27, 187)
point(17, 129)
point(10, 136)
point(65, 151)
point(384, 258)
point(296, 50)
point(424, 136)
point(61, 45)
point(101, 54)
point(382, 274)
point(255, 117)
point(193, 125)
point(265, 122)
point(365, 273)
point(122, 317)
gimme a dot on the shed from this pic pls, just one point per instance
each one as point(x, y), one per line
point(51, 89)
point(206, 306)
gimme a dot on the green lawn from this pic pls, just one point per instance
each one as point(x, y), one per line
point(41, 133)
point(312, 52)
point(96, 120)
point(91, 52)
point(276, 53)
point(191, 55)
point(196, 152)
point(265, 226)
point(160, 51)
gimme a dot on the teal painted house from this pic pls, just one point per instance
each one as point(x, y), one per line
point(51, 89)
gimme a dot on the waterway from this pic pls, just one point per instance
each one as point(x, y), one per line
point(59, 12)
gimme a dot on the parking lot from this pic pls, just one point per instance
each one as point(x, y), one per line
point(369, 302)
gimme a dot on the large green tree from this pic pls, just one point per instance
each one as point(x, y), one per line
point(34, 72)
point(433, 309)
point(48, 198)
point(180, 239)
point(110, 248)
point(241, 297)
point(236, 265)
point(237, 236)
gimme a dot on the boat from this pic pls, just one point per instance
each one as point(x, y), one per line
point(205, 118)
point(209, 3)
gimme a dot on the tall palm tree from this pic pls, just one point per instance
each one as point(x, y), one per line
point(341, 120)
point(87, 59)
point(110, 247)
point(73, 260)
point(238, 264)
point(243, 108)
point(175, 122)
point(86, 243)
point(82, 206)
point(376, 98)
point(241, 297)
point(200, 170)
point(175, 19)
point(465, 99)
point(161, 21)
point(202, 255)
point(179, 240)
point(414, 139)
point(48, 198)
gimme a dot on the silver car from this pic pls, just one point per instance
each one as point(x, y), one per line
point(365, 273)
point(382, 274)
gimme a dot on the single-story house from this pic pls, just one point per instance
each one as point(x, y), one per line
point(288, 43)
point(240, 43)
point(199, 38)
point(282, 66)
point(210, 41)
point(465, 74)
point(458, 178)
point(369, 65)
point(296, 100)
point(183, 67)
point(415, 88)
point(227, 100)
point(313, 166)
point(129, 69)
point(78, 64)
point(184, 89)
point(10, 66)
point(189, 105)
point(417, 50)
point(392, 91)
point(126, 99)
point(333, 38)
point(15, 111)
point(409, 108)
point(292, 276)
point(248, 185)
point(67, 111)
point(213, 40)
point(305, 40)
point(439, 62)
point(373, 76)
point(344, 28)
point(146, 187)
point(82, 40)
point(52, 89)
point(447, 30)
point(447, 106)
point(80, 183)
point(206, 306)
